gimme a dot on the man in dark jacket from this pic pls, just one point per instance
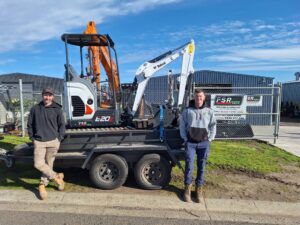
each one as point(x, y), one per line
point(197, 129)
point(46, 128)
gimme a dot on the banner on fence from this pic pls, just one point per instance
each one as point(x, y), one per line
point(229, 106)
point(254, 100)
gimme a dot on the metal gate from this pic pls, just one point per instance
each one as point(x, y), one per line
point(244, 112)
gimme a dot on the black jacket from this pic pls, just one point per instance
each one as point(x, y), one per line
point(46, 123)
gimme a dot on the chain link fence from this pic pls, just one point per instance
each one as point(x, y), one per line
point(241, 112)
point(16, 103)
point(245, 112)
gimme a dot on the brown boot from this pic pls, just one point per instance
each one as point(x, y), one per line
point(199, 195)
point(43, 192)
point(59, 180)
point(187, 193)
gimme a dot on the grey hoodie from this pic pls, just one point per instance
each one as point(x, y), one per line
point(198, 125)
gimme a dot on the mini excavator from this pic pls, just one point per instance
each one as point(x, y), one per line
point(88, 103)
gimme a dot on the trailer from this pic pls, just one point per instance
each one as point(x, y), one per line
point(110, 153)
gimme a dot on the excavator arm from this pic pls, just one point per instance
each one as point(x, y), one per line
point(149, 68)
point(101, 54)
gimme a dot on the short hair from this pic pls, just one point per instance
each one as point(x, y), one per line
point(197, 91)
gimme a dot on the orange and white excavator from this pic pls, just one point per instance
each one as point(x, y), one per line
point(83, 96)
point(86, 102)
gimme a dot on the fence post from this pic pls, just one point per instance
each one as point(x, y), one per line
point(279, 107)
point(277, 121)
point(272, 102)
point(61, 99)
point(22, 107)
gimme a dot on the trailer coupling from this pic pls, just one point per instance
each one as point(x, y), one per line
point(8, 160)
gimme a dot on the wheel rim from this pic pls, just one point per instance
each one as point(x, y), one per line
point(108, 172)
point(153, 173)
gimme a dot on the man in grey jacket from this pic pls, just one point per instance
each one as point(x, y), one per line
point(46, 128)
point(197, 129)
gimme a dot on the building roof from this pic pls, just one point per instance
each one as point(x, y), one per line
point(39, 82)
point(291, 82)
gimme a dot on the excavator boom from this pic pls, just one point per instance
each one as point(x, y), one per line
point(101, 54)
point(149, 68)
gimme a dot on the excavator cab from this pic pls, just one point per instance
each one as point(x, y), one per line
point(88, 102)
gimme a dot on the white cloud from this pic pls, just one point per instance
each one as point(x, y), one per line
point(226, 58)
point(7, 61)
point(251, 45)
point(232, 43)
point(228, 27)
point(25, 22)
point(257, 67)
point(291, 53)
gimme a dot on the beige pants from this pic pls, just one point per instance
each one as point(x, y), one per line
point(44, 156)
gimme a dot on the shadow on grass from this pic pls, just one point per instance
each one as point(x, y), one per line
point(7, 146)
point(76, 176)
point(20, 176)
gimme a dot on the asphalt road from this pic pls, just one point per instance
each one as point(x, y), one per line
point(31, 218)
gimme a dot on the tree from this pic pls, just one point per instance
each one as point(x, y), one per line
point(15, 107)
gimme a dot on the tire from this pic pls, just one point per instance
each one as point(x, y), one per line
point(109, 171)
point(152, 172)
point(23, 150)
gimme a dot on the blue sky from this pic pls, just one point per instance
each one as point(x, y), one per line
point(241, 36)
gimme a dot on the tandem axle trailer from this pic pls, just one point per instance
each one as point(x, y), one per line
point(109, 154)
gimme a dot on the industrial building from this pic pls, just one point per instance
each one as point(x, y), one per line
point(291, 97)
point(32, 89)
point(291, 90)
point(214, 82)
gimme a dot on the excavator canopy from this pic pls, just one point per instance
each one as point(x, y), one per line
point(88, 40)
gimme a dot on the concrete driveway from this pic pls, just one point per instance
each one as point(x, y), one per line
point(289, 137)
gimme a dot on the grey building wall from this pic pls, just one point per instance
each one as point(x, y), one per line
point(157, 90)
point(158, 86)
point(291, 92)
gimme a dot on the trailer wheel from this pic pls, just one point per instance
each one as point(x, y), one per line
point(152, 172)
point(109, 171)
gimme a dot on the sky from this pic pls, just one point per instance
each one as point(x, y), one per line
point(239, 36)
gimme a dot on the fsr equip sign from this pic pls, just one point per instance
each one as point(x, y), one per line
point(229, 107)
point(228, 100)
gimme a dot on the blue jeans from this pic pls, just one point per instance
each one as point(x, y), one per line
point(202, 149)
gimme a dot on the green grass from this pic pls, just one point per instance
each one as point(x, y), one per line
point(249, 156)
point(9, 141)
point(242, 156)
